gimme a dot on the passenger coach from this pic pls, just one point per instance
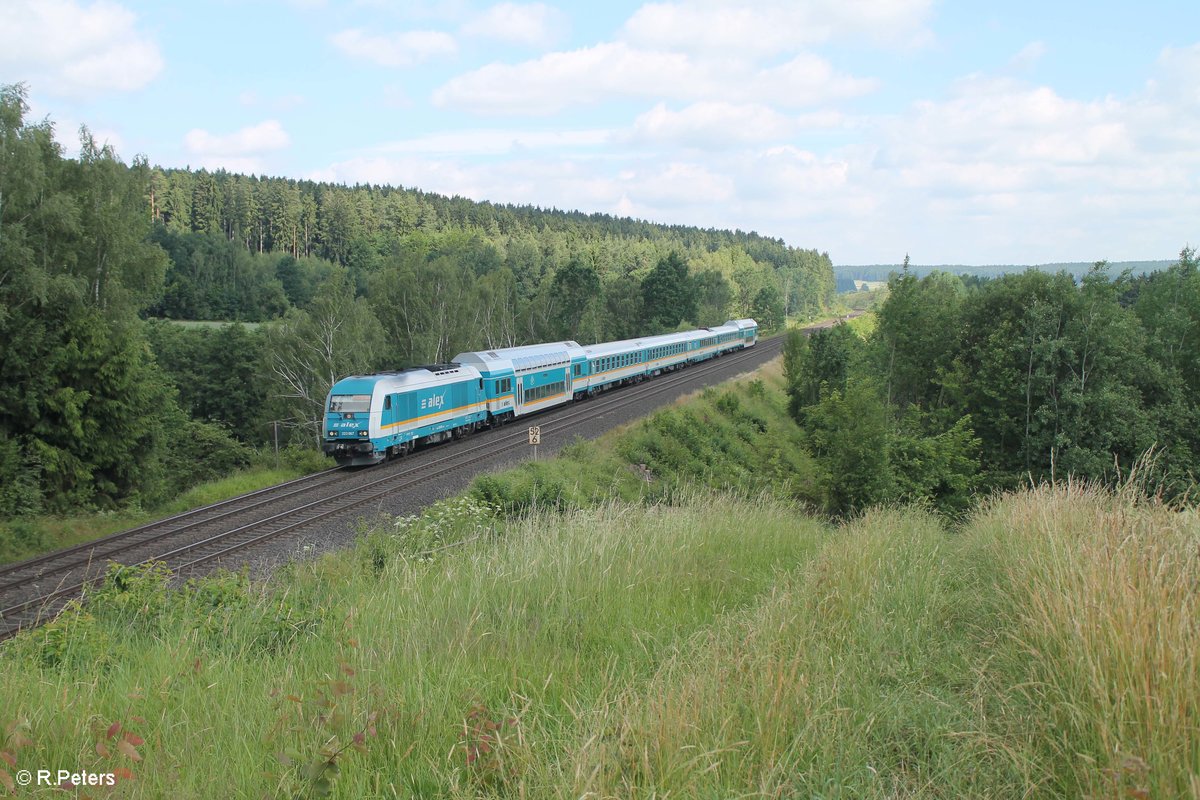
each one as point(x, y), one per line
point(521, 380)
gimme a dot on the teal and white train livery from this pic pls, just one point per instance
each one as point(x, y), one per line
point(371, 418)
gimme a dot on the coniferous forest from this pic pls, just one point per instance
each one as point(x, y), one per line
point(107, 396)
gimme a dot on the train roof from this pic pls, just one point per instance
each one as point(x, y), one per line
point(742, 324)
point(628, 345)
point(522, 359)
point(405, 379)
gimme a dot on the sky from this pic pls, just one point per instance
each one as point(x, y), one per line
point(956, 132)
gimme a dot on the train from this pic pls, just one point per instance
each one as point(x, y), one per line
point(374, 418)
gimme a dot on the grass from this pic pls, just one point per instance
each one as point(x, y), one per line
point(1099, 591)
point(862, 301)
point(711, 646)
point(842, 682)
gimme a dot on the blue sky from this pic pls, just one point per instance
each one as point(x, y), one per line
point(955, 132)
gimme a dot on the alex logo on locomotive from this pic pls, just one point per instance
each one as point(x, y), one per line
point(434, 402)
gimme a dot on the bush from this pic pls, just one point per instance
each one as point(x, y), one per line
point(202, 451)
point(305, 459)
point(531, 486)
point(19, 538)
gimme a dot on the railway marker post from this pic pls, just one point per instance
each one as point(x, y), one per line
point(535, 438)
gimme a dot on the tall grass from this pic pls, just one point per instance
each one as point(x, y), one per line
point(1101, 593)
point(852, 679)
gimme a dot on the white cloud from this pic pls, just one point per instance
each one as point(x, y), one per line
point(534, 24)
point(395, 49)
point(676, 191)
point(558, 80)
point(807, 80)
point(492, 141)
point(66, 48)
point(774, 27)
point(66, 130)
point(680, 184)
point(240, 151)
point(1006, 167)
point(1180, 68)
point(1003, 122)
point(712, 125)
point(1030, 175)
point(779, 171)
point(615, 70)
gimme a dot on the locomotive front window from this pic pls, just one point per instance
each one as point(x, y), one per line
point(350, 402)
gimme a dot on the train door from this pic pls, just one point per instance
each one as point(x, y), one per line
point(518, 398)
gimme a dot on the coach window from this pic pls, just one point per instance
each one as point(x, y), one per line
point(387, 403)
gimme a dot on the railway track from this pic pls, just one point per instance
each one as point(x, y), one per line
point(33, 591)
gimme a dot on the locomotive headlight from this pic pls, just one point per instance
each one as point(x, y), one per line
point(332, 434)
point(363, 434)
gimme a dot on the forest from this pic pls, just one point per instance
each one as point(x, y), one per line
point(111, 394)
point(970, 385)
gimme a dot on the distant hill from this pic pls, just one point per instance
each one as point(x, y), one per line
point(879, 272)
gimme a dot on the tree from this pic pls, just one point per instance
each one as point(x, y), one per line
point(217, 374)
point(623, 312)
point(767, 308)
point(713, 296)
point(940, 469)
point(1054, 377)
point(848, 432)
point(309, 350)
point(338, 225)
point(917, 337)
point(82, 404)
point(576, 288)
point(815, 366)
point(669, 295)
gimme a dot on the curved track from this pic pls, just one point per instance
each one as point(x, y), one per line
point(34, 590)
